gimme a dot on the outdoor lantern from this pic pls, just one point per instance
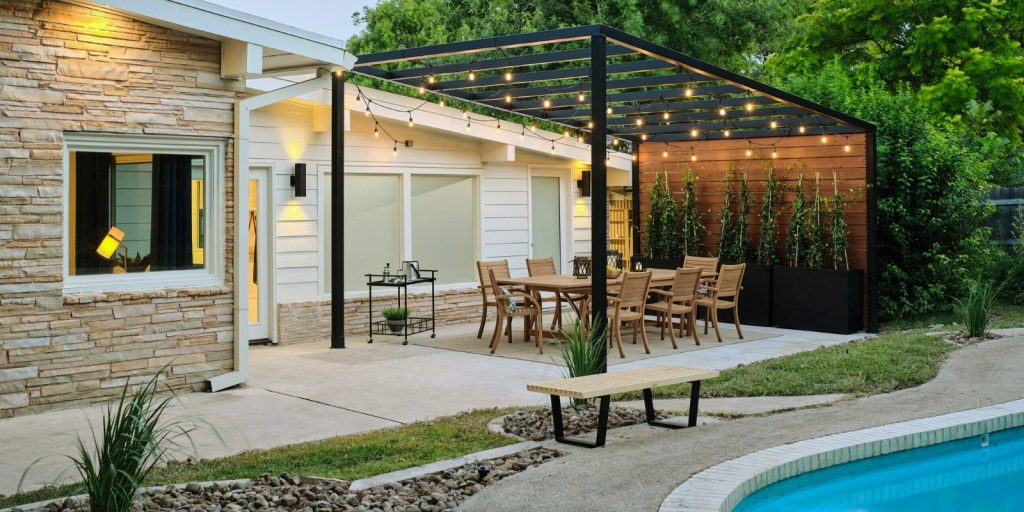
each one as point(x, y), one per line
point(299, 180)
point(638, 264)
point(581, 267)
point(584, 184)
point(110, 243)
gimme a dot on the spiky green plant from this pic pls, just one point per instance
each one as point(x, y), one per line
point(727, 223)
point(661, 236)
point(134, 440)
point(838, 231)
point(693, 220)
point(817, 234)
point(741, 238)
point(797, 233)
point(768, 244)
point(582, 350)
point(977, 309)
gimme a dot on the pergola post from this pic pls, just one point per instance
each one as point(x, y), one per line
point(337, 208)
point(599, 190)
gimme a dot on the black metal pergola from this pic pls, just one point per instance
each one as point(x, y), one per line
point(603, 86)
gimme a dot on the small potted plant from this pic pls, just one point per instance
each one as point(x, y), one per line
point(396, 318)
point(613, 272)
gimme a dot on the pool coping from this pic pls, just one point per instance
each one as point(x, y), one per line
point(721, 487)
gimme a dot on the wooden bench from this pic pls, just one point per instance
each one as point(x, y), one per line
point(604, 385)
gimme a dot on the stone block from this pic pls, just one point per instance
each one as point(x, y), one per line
point(30, 94)
point(135, 310)
point(13, 400)
point(81, 68)
point(12, 374)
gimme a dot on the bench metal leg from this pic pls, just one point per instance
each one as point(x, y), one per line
point(602, 423)
point(691, 419)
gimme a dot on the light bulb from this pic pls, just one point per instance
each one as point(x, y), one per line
point(376, 132)
point(727, 133)
point(394, 150)
point(508, 76)
point(547, 103)
point(634, 157)
point(533, 128)
point(472, 76)
point(688, 92)
point(802, 129)
point(749, 107)
point(565, 133)
point(590, 124)
point(721, 111)
point(643, 136)
point(665, 116)
point(367, 111)
point(431, 79)
point(508, 98)
point(749, 152)
point(609, 111)
point(615, 142)
point(468, 126)
point(824, 139)
point(522, 134)
point(498, 128)
point(693, 133)
point(465, 114)
point(664, 153)
point(846, 148)
point(579, 138)
point(774, 125)
point(775, 154)
point(410, 120)
point(423, 89)
point(441, 103)
point(581, 97)
point(639, 122)
point(693, 158)
point(552, 147)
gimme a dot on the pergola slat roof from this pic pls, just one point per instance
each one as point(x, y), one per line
point(654, 94)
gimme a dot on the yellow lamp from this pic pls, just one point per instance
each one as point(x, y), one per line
point(110, 243)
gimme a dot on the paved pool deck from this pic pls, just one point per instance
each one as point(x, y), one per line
point(641, 465)
point(306, 392)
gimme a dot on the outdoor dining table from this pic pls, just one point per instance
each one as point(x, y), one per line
point(567, 284)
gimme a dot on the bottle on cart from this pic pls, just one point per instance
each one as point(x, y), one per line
point(387, 270)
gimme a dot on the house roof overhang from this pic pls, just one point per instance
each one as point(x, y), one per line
point(263, 47)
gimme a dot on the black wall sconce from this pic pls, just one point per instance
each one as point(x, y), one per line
point(584, 184)
point(299, 180)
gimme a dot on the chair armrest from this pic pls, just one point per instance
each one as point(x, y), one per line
point(612, 300)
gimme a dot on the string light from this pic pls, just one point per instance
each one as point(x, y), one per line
point(367, 111)
point(579, 138)
point(410, 120)
point(472, 76)
point(824, 139)
point(688, 92)
point(846, 148)
point(665, 116)
point(394, 149)
point(693, 132)
point(441, 103)
point(431, 79)
point(609, 111)
point(802, 128)
point(721, 111)
point(664, 152)
point(533, 128)
point(358, 97)
point(423, 89)
point(774, 125)
point(552, 147)
point(590, 124)
point(498, 128)
point(727, 133)
point(639, 121)
point(749, 107)
point(465, 114)
point(581, 97)
point(634, 157)
point(508, 98)
point(468, 126)
point(693, 156)
point(643, 136)
point(376, 130)
point(615, 142)
point(750, 149)
point(775, 154)
point(508, 76)
point(522, 134)
point(565, 133)
point(547, 103)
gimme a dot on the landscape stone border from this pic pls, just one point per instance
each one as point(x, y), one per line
point(720, 488)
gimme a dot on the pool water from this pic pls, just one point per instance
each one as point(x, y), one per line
point(960, 476)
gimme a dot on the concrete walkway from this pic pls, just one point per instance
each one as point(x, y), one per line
point(306, 392)
point(640, 465)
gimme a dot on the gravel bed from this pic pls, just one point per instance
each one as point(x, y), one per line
point(442, 491)
point(536, 425)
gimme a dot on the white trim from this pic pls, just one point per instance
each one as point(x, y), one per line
point(264, 174)
point(213, 273)
point(221, 23)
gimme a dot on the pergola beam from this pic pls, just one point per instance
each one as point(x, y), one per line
point(838, 129)
point(585, 87)
point(653, 96)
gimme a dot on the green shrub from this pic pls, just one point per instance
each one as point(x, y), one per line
point(817, 240)
point(582, 350)
point(694, 226)
point(768, 244)
point(838, 231)
point(727, 223)
point(393, 313)
point(796, 239)
point(661, 236)
point(977, 308)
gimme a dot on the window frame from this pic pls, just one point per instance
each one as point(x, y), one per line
point(214, 264)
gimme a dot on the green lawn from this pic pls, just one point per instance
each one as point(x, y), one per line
point(348, 457)
point(1006, 316)
point(880, 365)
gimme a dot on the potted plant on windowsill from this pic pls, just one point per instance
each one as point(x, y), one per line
point(396, 318)
point(818, 291)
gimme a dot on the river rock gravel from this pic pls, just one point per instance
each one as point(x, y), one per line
point(436, 492)
point(536, 425)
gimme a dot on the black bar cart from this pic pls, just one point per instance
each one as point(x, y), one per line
point(412, 275)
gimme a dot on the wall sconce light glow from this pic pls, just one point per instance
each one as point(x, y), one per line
point(111, 241)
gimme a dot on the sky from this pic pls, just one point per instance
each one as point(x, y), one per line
point(328, 17)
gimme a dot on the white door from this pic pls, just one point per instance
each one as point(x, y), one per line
point(258, 275)
point(546, 218)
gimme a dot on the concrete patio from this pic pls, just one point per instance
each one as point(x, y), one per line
point(307, 391)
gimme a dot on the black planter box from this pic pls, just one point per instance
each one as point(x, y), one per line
point(817, 299)
point(755, 298)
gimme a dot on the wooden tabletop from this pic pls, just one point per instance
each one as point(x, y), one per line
point(604, 384)
point(569, 283)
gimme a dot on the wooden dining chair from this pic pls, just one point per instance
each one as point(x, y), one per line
point(628, 307)
point(708, 265)
point(724, 294)
point(678, 300)
point(483, 268)
point(546, 267)
point(515, 304)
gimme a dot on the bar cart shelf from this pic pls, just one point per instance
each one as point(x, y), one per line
point(413, 324)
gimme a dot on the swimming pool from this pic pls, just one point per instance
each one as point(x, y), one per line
point(978, 473)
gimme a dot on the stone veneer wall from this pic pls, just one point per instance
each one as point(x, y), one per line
point(69, 68)
point(310, 320)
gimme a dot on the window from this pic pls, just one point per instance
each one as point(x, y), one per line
point(140, 212)
point(373, 227)
point(444, 226)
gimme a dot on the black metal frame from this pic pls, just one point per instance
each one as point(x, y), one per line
point(602, 417)
point(419, 324)
point(648, 82)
